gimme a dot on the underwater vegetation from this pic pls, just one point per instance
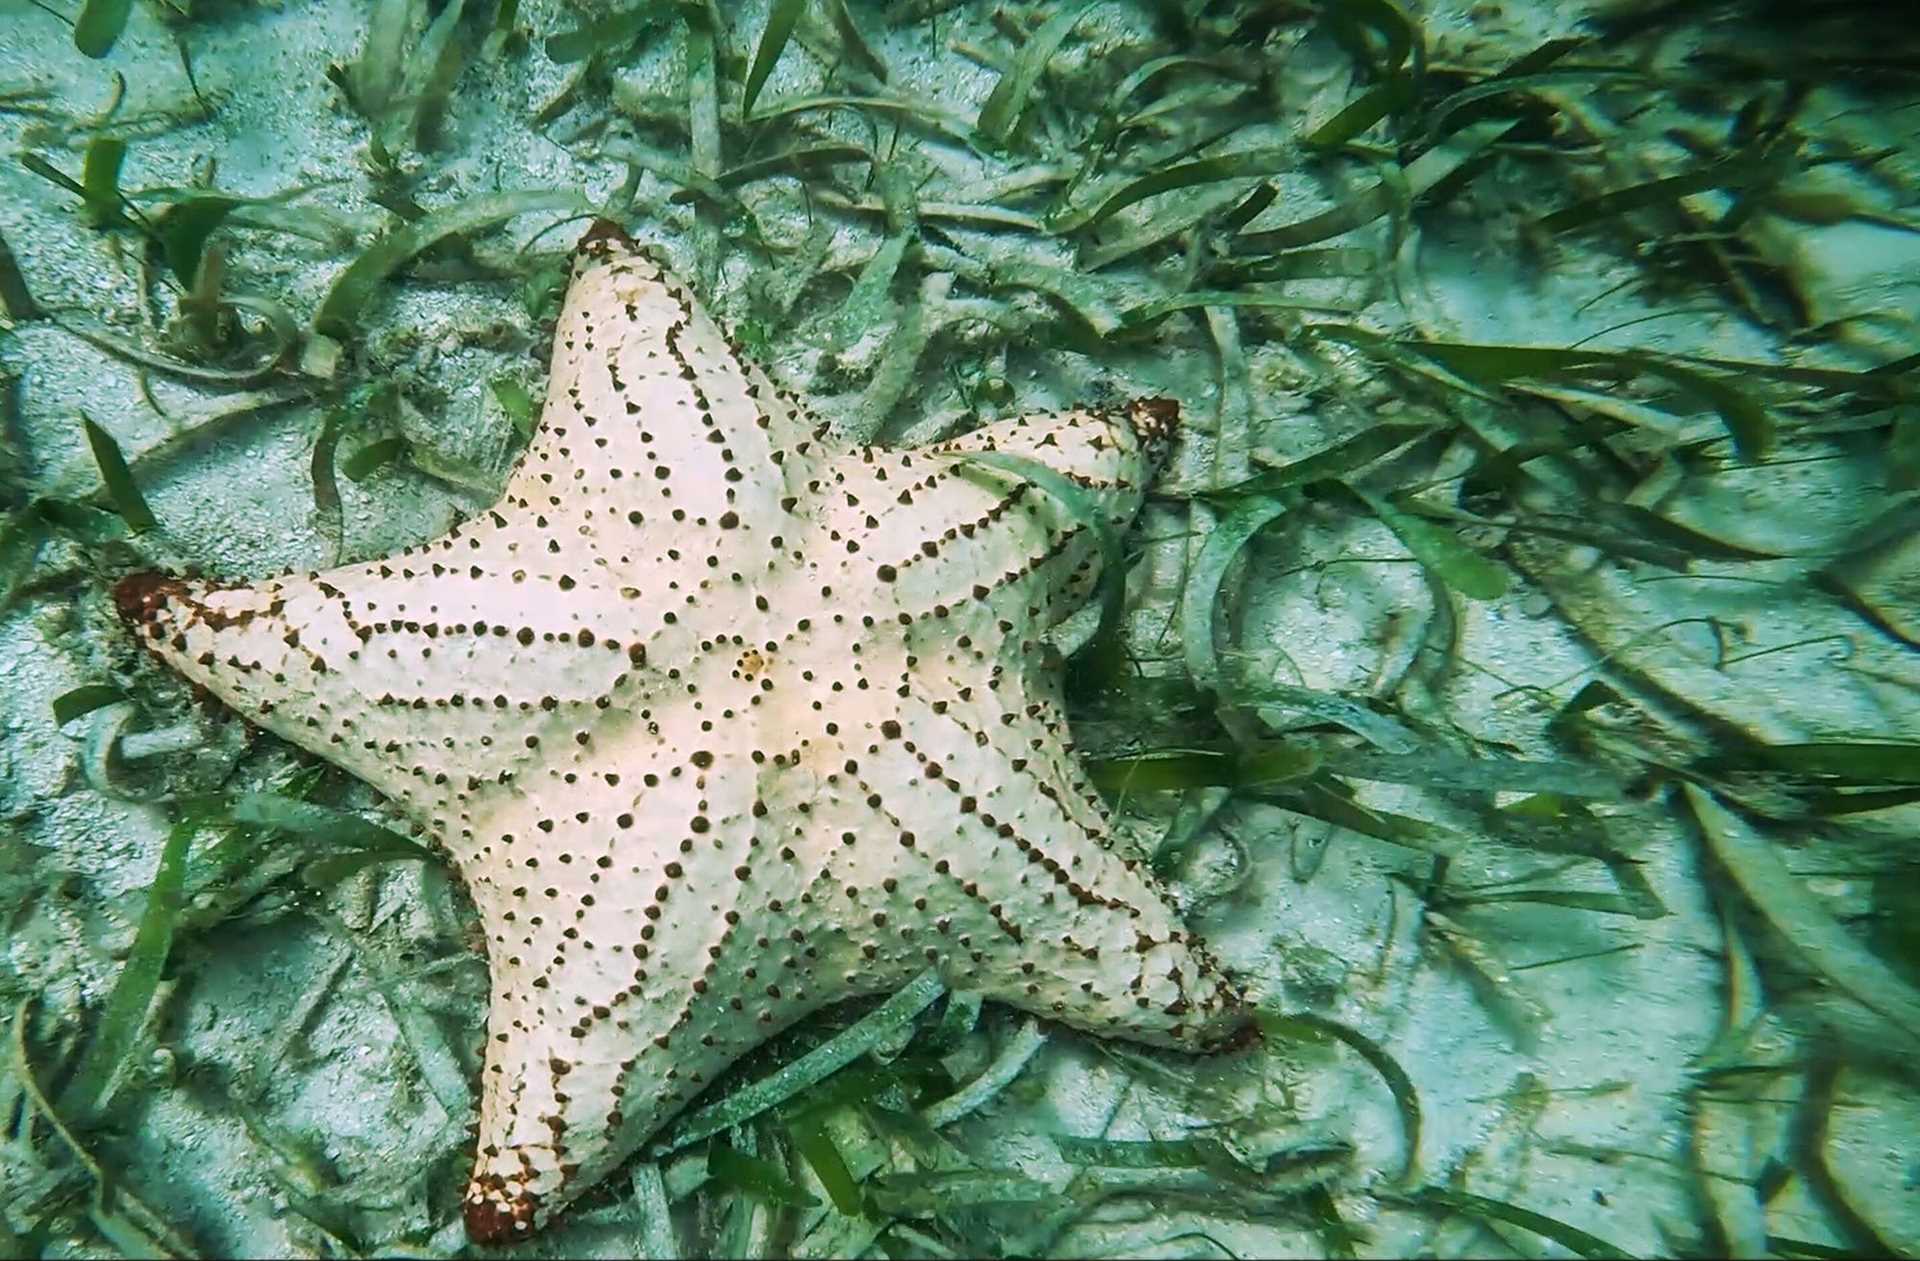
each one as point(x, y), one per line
point(1514, 669)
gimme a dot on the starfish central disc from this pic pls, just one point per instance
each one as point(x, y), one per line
point(721, 721)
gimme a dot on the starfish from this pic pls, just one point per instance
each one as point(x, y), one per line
point(721, 721)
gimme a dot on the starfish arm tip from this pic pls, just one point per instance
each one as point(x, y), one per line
point(604, 236)
point(138, 596)
point(492, 1219)
point(1157, 421)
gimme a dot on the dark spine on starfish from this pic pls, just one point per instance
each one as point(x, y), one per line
point(603, 237)
point(491, 1222)
point(1157, 421)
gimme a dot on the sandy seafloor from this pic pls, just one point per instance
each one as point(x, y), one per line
point(276, 1103)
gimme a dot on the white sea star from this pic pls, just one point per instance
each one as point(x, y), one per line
point(721, 721)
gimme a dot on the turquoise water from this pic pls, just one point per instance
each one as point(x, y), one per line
point(1512, 679)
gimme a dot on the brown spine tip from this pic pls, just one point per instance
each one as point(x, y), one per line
point(489, 1221)
point(1240, 1033)
point(1156, 420)
point(139, 596)
point(604, 237)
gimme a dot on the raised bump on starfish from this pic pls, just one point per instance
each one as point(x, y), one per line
point(721, 721)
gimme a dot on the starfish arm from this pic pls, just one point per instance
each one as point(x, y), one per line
point(1052, 917)
point(713, 922)
point(604, 920)
point(344, 664)
point(653, 418)
point(925, 531)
